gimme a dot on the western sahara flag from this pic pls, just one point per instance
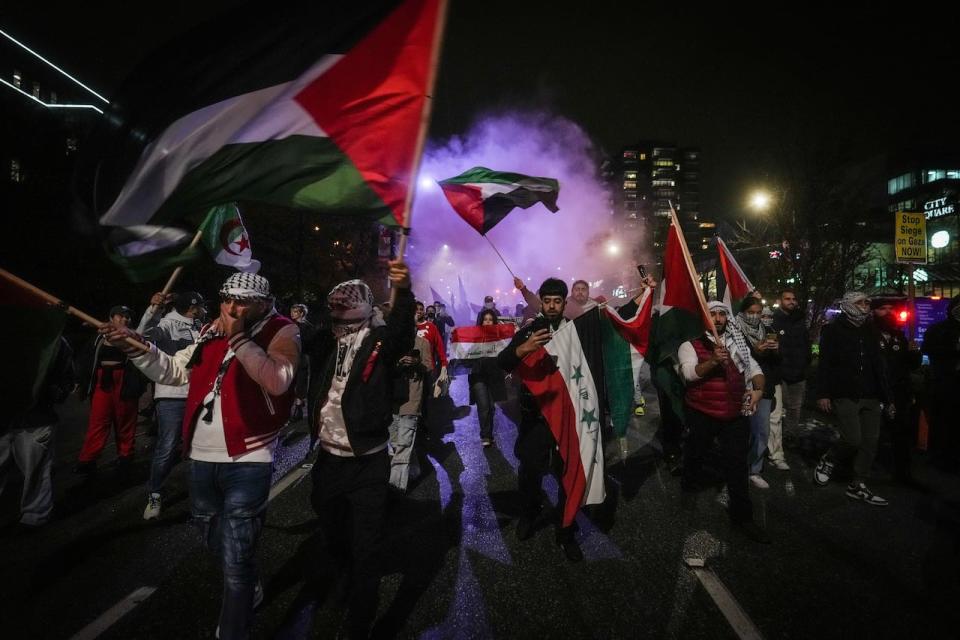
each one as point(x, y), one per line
point(313, 105)
point(483, 197)
point(566, 379)
point(678, 317)
point(625, 343)
point(471, 343)
point(732, 284)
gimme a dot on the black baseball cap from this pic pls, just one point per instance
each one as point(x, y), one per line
point(121, 310)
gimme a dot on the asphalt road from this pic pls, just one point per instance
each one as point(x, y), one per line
point(454, 568)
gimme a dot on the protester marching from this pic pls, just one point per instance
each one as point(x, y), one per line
point(451, 401)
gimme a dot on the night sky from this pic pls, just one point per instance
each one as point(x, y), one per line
point(744, 83)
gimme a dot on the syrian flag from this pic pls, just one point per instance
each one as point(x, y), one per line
point(471, 343)
point(315, 105)
point(225, 237)
point(678, 318)
point(732, 284)
point(567, 380)
point(483, 197)
point(625, 343)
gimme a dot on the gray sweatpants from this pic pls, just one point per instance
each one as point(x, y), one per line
point(31, 449)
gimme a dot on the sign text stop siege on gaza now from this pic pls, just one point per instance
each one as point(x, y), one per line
point(910, 239)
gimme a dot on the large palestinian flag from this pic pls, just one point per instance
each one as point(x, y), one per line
point(678, 318)
point(625, 343)
point(314, 105)
point(483, 197)
point(732, 284)
point(471, 343)
point(566, 379)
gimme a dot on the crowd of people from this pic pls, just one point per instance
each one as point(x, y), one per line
point(365, 378)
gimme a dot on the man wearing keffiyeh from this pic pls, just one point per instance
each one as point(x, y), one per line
point(717, 401)
point(240, 374)
point(351, 408)
point(852, 383)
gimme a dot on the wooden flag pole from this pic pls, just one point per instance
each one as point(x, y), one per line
point(57, 302)
point(498, 255)
point(176, 272)
point(425, 115)
point(692, 271)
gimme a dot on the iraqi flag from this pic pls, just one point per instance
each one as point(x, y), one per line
point(314, 105)
point(471, 343)
point(732, 284)
point(566, 379)
point(678, 318)
point(483, 197)
point(625, 345)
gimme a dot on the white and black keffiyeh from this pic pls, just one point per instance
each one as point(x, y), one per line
point(351, 307)
point(246, 286)
point(848, 305)
point(751, 327)
point(733, 329)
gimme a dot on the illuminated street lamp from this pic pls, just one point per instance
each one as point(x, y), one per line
point(760, 201)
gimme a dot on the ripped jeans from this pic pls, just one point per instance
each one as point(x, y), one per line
point(229, 504)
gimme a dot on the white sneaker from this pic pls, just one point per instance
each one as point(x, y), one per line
point(758, 481)
point(859, 491)
point(152, 511)
point(780, 465)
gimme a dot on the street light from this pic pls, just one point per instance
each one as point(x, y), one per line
point(760, 200)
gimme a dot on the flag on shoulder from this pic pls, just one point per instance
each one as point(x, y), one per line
point(625, 344)
point(566, 378)
point(483, 197)
point(678, 318)
point(470, 343)
point(732, 284)
point(316, 106)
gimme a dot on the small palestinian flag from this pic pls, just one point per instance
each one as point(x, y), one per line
point(732, 284)
point(312, 105)
point(625, 342)
point(471, 343)
point(566, 378)
point(483, 197)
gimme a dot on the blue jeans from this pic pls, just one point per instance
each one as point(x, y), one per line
point(166, 452)
point(229, 503)
point(480, 391)
point(759, 433)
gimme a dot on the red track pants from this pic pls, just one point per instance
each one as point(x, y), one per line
point(108, 410)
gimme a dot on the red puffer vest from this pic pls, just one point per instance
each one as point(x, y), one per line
point(252, 418)
point(719, 394)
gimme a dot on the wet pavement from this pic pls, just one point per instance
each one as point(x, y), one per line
point(453, 567)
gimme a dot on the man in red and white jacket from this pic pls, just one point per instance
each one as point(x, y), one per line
point(240, 374)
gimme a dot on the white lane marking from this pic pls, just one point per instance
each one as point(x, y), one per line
point(113, 614)
point(287, 481)
point(742, 624)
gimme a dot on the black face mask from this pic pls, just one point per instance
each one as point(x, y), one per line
point(885, 323)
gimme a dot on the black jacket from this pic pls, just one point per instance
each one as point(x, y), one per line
point(769, 361)
point(56, 386)
point(368, 404)
point(134, 382)
point(507, 360)
point(899, 359)
point(851, 364)
point(794, 344)
point(942, 343)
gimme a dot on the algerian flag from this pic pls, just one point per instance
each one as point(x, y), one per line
point(314, 105)
point(625, 342)
point(566, 378)
point(483, 197)
point(732, 284)
point(470, 343)
point(226, 239)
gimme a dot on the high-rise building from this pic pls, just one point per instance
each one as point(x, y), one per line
point(650, 176)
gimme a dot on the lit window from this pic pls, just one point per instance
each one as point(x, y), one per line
point(16, 171)
point(643, 156)
point(953, 174)
point(17, 79)
point(663, 163)
point(630, 175)
point(630, 195)
point(630, 155)
point(664, 183)
point(895, 185)
point(934, 174)
point(629, 184)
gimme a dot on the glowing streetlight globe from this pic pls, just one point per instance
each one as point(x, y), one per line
point(613, 248)
point(760, 200)
point(940, 239)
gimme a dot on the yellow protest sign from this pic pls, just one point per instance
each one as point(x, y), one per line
point(910, 241)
